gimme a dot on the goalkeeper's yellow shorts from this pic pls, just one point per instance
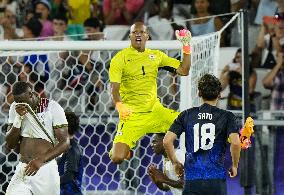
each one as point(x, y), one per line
point(140, 124)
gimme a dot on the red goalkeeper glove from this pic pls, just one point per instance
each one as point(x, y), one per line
point(246, 132)
point(123, 111)
point(184, 36)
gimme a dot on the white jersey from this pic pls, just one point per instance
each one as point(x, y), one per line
point(50, 114)
point(169, 170)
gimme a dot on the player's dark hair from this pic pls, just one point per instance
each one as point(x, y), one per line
point(209, 87)
point(20, 88)
point(73, 122)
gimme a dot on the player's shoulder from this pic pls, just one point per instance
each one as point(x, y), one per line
point(120, 55)
point(53, 104)
point(12, 107)
point(190, 111)
point(155, 52)
point(123, 52)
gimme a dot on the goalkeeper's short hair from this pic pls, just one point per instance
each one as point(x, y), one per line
point(209, 87)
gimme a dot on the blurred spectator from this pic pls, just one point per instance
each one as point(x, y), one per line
point(163, 19)
point(267, 45)
point(94, 63)
point(94, 29)
point(32, 29)
point(78, 12)
point(58, 7)
point(8, 27)
point(42, 11)
point(202, 8)
point(274, 80)
point(232, 76)
point(121, 12)
point(268, 8)
point(60, 23)
point(182, 8)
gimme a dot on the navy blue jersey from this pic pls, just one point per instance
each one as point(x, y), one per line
point(70, 169)
point(206, 132)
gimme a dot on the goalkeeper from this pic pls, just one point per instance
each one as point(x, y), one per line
point(133, 74)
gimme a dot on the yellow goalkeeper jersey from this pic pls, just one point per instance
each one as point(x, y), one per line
point(137, 74)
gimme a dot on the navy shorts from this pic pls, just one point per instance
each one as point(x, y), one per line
point(205, 187)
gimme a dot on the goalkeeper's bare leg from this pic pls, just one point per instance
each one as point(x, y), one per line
point(119, 152)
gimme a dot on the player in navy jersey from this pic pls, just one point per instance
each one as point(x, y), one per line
point(70, 165)
point(207, 129)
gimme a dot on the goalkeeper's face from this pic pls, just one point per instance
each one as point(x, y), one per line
point(138, 36)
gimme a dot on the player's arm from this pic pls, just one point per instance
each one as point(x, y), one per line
point(115, 74)
point(159, 178)
point(184, 36)
point(13, 134)
point(162, 187)
point(175, 184)
point(168, 142)
point(61, 134)
point(235, 150)
point(233, 127)
point(115, 92)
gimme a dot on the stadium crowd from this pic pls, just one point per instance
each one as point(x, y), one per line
point(59, 75)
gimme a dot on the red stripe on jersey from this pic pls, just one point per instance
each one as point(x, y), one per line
point(43, 103)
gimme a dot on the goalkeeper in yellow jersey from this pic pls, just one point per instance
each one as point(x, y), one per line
point(133, 74)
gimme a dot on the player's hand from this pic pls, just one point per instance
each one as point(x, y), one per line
point(246, 133)
point(184, 36)
point(123, 111)
point(156, 175)
point(179, 169)
point(233, 171)
point(21, 110)
point(33, 166)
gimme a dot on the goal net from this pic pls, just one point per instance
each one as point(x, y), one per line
point(76, 76)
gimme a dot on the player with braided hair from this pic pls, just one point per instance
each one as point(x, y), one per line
point(133, 74)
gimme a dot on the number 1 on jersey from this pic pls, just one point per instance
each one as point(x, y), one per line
point(207, 133)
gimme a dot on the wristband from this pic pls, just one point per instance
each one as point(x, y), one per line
point(186, 49)
point(17, 122)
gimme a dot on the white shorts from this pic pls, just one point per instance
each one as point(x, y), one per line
point(45, 182)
